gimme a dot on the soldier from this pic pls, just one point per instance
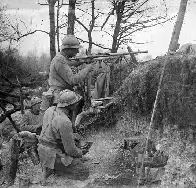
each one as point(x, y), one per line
point(32, 119)
point(61, 76)
point(57, 149)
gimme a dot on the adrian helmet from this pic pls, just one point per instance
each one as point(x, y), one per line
point(35, 100)
point(70, 41)
point(68, 97)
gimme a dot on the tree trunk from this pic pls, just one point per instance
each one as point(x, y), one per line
point(52, 28)
point(178, 25)
point(115, 36)
point(71, 17)
point(90, 39)
point(90, 43)
point(119, 12)
point(57, 25)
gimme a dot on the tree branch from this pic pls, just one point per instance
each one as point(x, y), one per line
point(98, 45)
point(107, 18)
point(79, 22)
point(30, 33)
point(146, 26)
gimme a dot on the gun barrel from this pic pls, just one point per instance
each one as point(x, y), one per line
point(108, 55)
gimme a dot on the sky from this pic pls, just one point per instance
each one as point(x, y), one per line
point(156, 39)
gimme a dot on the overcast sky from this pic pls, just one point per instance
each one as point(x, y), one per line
point(157, 39)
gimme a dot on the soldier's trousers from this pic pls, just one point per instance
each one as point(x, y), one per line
point(76, 170)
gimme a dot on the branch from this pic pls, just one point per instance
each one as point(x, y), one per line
point(7, 114)
point(144, 27)
point(84, 11)
point(107, 18)
point(7, 80)
point(26, 84)
point(32, 32)
point(79, 22)
point(99, 45)
point(132, 13)
point(6, 101)
point(5, 94)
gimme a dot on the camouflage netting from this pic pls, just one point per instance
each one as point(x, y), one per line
point(176, 105)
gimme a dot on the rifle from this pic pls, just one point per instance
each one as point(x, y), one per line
point(107, 55)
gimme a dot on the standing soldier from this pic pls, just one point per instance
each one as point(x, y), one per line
point(57, 149)
point(61, 76)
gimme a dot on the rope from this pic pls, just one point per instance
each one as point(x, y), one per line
point(152, 117)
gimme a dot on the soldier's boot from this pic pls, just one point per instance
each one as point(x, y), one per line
point(46, 172)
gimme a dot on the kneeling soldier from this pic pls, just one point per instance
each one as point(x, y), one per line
point(57, 149)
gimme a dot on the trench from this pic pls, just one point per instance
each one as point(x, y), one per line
point(109, 165)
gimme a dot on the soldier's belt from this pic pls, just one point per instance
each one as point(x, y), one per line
point(60, 88)
point(49, 144)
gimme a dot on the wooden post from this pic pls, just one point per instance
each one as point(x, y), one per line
point(134, 60)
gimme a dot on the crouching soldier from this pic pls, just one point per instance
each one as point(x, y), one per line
point(57, 149)
point(32, 119)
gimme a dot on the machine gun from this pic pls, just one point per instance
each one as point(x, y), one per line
point(106, 55)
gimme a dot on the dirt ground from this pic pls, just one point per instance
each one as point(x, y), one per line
point(109, 165)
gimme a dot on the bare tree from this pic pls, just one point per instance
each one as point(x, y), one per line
point(88, 29)
point(16, 30)
point(71, 17)
point(177, 28)
point(131, 17)
point(51, 4)
point(7, 30)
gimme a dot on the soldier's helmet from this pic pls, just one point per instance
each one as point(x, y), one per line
point(35, 100)
point(70, 41)
point(67, 97)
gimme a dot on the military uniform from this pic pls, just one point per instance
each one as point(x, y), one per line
point(31, 122)
point(58, 128)
point(32, 119)
point(61, 76)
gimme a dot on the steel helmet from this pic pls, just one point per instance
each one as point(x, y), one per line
point(67, 97)
point(70, 41)
point(35, 100)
